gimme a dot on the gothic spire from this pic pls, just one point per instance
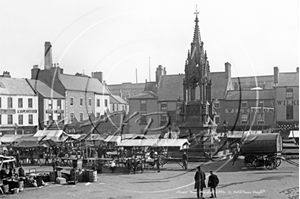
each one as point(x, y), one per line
point(197, 37)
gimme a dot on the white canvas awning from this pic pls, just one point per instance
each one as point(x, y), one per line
point(155, 143)
point(294, 134)
point(112, 138)
point(54, 135)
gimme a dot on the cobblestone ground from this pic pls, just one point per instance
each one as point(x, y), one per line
point(172, 182)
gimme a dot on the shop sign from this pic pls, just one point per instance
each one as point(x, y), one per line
point(27, 111)
point(288, 102)
point(7, 111)
point(54, 111)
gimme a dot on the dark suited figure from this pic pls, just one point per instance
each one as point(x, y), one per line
point(199, 182)
point(213, 182)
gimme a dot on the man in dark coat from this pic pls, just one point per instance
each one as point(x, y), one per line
point(213, 182)
point(199, 182)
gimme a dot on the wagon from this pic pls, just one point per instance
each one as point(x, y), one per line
point(264, 150)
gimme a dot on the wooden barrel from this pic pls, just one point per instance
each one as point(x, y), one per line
point(52, 176)
point(265, 143)
point(80, 176)
point(92, 176)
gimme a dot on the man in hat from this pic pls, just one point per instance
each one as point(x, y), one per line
point(213, 182)
point(199, 182)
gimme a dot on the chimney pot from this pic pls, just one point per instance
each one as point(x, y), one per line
point(276, 75)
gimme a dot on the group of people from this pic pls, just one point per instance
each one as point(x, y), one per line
point(213, 182)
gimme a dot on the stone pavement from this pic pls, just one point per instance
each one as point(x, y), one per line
point(172, 182)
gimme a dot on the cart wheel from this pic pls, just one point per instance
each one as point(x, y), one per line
point(250, 161)
point(271, 163)
point(278, 161)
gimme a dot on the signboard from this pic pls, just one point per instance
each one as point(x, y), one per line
point(27, 111)
point(7, 111)
point(54, 111)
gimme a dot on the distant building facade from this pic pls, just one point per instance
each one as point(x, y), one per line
point(18, 107)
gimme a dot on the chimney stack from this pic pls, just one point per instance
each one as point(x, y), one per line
point(159, 72)
point(48, 55)
point(35, 72)
point(276, 75)
point(297, 69)
point(227, 70)
point(97, 75)
point(6, 74)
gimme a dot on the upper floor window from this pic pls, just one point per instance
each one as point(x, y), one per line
point(21, 119)
point(164, 106)
point(98, 115)
point(9, 119)
point(50, 116)
point(71, 101)
point(244, 105)
point(105, 102)
point(49, 104)
point(58, 104)
point(71, 117)
point(143, 105)
point(98, 102)
point(289, 93)
point(0, 102)
point(90, 102)
point(80, 117)
point(20, 103)
point(81, 102)
point(30, 119)
point(30, 103)
point(9, 102)
point(217, 119)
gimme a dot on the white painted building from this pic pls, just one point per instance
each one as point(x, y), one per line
point(18, 107)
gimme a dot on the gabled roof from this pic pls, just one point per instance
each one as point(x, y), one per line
point(117, 99)
point(288, 79)
point(145, 95)
point(15, 86)
point(44, 90)
point(82, 83)
point(219, 85)
point(250, 95)
point(266, 81)
point(170, 87)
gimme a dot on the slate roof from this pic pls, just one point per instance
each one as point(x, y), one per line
point(144, 95)
point(266, 81)
point(170, 87)
point(112, 100)
point(82, 83)
point(15, 86)
point(119, 99)
point(219, 85)
point(288, 79)
point(250, 94)
point(44, 90)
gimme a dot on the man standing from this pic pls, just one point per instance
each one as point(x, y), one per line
point(213, 182)
point(199, 181)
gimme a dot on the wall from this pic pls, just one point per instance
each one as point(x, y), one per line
point(134, 105)
point(281, 102)
point(76, 108)
point(102, 107)
point(231, 113)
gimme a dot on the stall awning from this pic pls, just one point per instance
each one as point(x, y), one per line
point(112, 138)
point(155, 143)
point(294, 134)
point(54, 135)
point(9, 138)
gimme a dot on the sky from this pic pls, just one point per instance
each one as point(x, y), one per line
point(128, 39)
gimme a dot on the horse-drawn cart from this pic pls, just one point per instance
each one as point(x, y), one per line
point(264, 150)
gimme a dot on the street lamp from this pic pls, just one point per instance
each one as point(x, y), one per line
point(211, 140)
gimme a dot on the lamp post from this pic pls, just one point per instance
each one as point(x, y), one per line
point(210, 135)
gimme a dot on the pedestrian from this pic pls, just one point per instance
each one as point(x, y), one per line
point(213, 182)
point(199, 182)
point(185, 160)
